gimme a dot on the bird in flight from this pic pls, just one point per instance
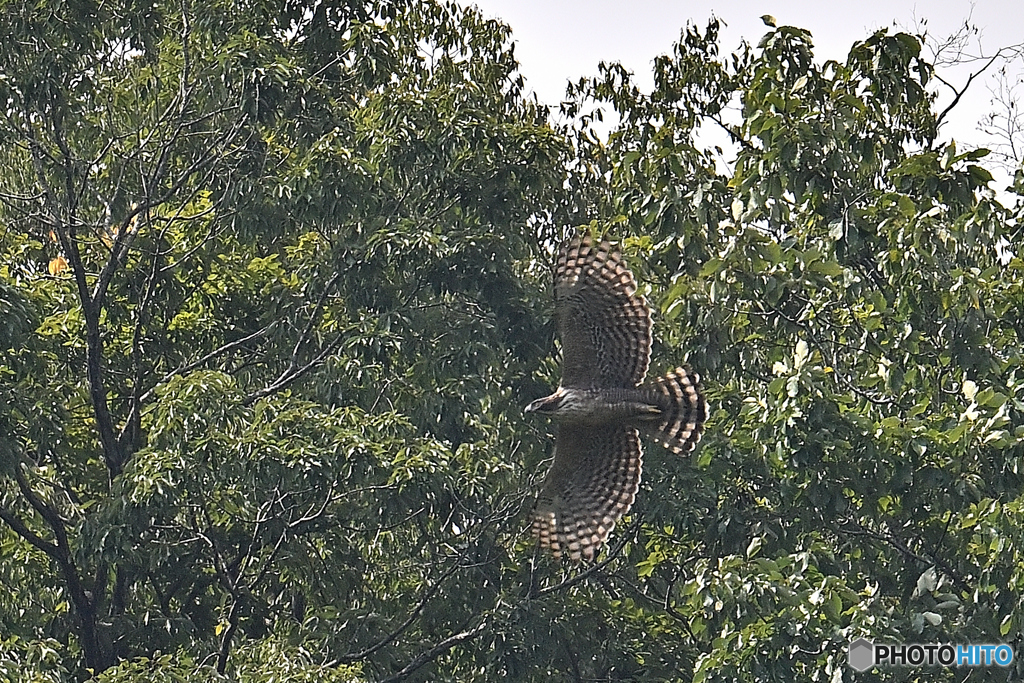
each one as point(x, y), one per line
point(602, 403)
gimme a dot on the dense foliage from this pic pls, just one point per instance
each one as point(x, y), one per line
point(275, 287)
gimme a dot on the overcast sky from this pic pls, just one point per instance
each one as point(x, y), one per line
point(561, 40)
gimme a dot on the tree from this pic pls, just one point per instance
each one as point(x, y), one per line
point(260, 283)
point(275, 290)
point(850, 289)
point(963, 51)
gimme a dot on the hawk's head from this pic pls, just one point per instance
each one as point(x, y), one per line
point(549, 405)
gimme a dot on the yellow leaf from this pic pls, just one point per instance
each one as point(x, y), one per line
point(58, 265)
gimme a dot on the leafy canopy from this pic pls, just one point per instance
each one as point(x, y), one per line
point(275, 289)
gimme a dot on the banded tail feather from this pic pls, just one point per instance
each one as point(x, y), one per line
point(684, 410)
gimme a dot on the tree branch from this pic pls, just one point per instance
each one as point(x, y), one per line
point(20, 528)
point(389, 638)
point(230, 346)
point(294, 371)
point(436, 651)
point(932, 559)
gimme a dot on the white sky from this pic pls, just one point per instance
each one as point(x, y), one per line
point(561, 40)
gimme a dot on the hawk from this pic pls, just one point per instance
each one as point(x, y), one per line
point(602, 405)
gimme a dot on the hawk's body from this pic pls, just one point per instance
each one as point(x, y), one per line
point(601, 404)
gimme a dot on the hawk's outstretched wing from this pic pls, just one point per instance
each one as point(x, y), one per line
point(591, 485)
point(605, 330)
point(604, 327)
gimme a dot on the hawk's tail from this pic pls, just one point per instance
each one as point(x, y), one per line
point(683, 407)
